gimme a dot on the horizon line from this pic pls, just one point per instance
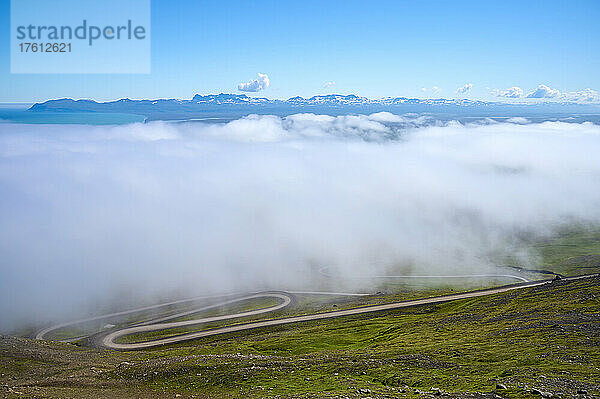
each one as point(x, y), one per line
point(522, 101)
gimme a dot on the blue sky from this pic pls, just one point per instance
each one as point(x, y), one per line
point(374, 49)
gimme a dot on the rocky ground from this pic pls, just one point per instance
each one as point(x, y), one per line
point(538, 342)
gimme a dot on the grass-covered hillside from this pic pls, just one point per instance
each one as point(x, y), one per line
point(531, 343)
point(537, 341)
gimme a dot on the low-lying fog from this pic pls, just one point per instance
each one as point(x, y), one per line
point(91, 216)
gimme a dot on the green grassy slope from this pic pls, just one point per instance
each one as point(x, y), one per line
point(545, 338)
point(542, 340)
point(464, 346)
point(572, 252)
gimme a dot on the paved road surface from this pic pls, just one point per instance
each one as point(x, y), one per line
point(284, 298)
point(43, 334)
point(108, 341)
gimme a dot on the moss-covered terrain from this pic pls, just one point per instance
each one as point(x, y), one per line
point(531, 343)
point(535, 342)
point(573, 251)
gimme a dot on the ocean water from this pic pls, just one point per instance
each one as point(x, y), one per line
point(18, 113)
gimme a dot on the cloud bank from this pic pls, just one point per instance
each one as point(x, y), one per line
point(544, 91)
point(433, 90)
point(465, 89)
point(254, 85)
point(582, 96)
point(511, 92)
point(97, 215)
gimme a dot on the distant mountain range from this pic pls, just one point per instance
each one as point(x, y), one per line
point(329, 99)
point(242, 99)
point(234, 105)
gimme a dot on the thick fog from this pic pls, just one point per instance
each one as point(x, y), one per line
point(94, 216)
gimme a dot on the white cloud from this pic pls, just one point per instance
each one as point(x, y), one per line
point(256, 203)
point(256, 84)
point(581, 96)
point(511, 92)
point(518, 120)
point(465, 89)
point(328, 85)
point(433, 90)
point(585, 96)
point(387, 117)
point(544, 91)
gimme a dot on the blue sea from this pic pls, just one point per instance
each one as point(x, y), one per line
point(17, 113)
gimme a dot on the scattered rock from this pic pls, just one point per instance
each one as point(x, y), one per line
point(436, 391)
point(541, 393)
point(500, 386)
point(581, 392)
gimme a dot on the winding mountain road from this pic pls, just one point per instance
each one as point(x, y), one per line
point(285, 297)
point(43, 333)
point(108, 341)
